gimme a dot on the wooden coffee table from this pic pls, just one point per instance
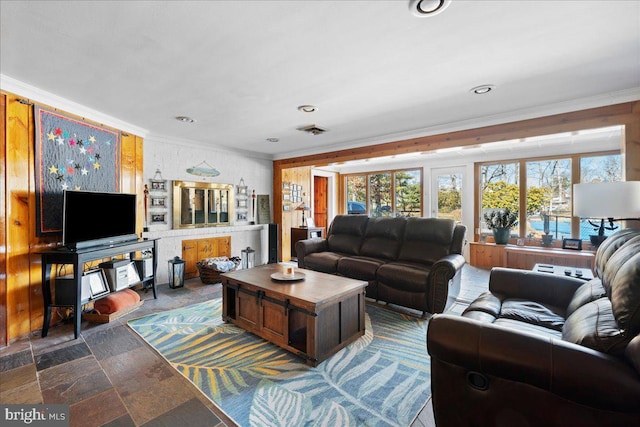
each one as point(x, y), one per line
point(312, 318)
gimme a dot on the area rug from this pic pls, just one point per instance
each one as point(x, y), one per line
point(382, 379)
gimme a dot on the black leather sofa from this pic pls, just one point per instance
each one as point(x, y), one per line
point(544, 350)
point(411, 262)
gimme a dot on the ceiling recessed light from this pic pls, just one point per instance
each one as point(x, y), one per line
point(308, 108)
point(425, 8)
point(273, 139)
point(482, 89)
point(185, 119)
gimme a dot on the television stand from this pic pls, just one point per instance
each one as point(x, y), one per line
point(78, 258)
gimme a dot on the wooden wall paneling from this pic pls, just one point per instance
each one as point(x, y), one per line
point(277, 204)
point(631, 150)
point(4, 340)
point(21, 310)
point(631, 147)
point(139, 184)
point(17, 208)
point(292, 218)
point(127, 163)
point(36, 303)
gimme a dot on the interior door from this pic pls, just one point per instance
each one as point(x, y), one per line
point(447, 193)
point(320, 200)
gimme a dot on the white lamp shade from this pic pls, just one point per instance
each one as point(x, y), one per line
point(607, 200)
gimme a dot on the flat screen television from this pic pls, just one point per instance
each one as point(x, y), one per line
point(92, 218)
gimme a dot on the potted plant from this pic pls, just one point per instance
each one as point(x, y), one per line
point(500, 222)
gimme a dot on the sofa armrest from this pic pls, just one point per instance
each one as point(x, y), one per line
point(444, 281)
point(533, 285)
point(570, 371)
point(309, 246)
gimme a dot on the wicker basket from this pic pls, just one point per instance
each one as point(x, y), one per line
point(210, 275)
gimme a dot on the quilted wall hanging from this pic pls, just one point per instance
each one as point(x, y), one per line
point(71, 155)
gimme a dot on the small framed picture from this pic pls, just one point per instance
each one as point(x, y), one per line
point(158, 218)
point(575, 244)
point(286, 186)
point(97, 283)
point(242, 203)
point(158, 185)
point(242, 190)
point(520, 242)
point(286, 207)
point(159, 202)
point(286, 197)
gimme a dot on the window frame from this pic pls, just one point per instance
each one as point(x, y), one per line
point(368, 174)
point(575, 159)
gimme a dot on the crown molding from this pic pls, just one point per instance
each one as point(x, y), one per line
point(40, 96)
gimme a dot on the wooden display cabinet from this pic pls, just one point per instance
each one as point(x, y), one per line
point(489, 255)
point(198, 249)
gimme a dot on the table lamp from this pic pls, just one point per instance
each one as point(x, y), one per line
point(303, 207)
point(614, 201)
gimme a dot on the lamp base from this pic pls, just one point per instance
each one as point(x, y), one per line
point(596, 240)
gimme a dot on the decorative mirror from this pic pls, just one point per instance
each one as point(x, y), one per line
point(202, 204)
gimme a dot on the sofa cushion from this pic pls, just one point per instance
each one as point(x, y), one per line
point(625, 287)
point(410, 277)
point(532, 313)
point(594, 326)
point(346, 233)
point(616, 260)
point(426, 240)
point(358, 267)
point(610, 245)
point(590, 291)
point(383, 237)
point(325, 262)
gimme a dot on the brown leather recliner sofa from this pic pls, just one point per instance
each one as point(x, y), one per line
point(544, 350)
point(412, 262)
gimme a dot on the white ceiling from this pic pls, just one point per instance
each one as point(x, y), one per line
point(376, 72)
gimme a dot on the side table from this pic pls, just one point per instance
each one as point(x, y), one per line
point(303, 233)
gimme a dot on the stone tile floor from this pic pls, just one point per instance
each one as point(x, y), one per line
point(110, 377)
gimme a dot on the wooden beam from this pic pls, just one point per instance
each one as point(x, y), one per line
point(567, 122)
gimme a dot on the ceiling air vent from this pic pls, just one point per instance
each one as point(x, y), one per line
point(313, 130)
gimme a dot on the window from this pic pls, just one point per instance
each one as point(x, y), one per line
point(499, 189)
point(385, 193)
point(449, 187)
point(380, 194)
point(408, 193)
point(600, 168)
point(548, 191)
point(356, 194)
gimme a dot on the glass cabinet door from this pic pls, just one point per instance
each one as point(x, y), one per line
point(186, 211)
point(214, 207)
point(200, 204)
point(224, 206)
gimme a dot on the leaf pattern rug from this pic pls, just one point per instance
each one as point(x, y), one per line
point(382, 379)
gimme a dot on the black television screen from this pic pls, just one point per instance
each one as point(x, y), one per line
point(93, 218)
